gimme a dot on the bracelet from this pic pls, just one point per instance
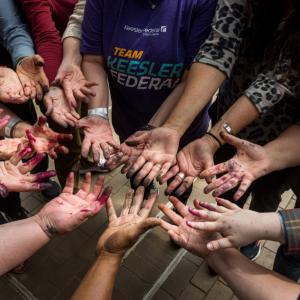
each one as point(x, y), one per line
point(99, 112)
point(147, 127)
point(10, 126)
point(215, 138)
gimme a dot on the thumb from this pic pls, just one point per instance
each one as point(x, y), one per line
point(208, 164)
point(137, 138)
point(233, 140)
point(221, 243)
point(38, 60)
point(148, 224)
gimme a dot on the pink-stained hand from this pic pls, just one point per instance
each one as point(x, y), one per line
point(8, 147)
point(3, 119)
point(191, 239)
point(159, 154)
point(58, 108)
point(15, 177)
point(44, 140)
point(11, 90)
point(67, 211)
point(134, 220)
point(191, 161)
point(32, 77)
point(97, 134)
point(249, 163)
point(75, 86)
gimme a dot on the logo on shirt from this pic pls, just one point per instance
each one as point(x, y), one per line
point(146, 31)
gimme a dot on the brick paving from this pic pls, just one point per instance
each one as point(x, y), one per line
point(154, 269)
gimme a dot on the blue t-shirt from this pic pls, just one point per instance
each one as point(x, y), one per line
point(146, 51)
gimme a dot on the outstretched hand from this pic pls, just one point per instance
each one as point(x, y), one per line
point(134, 220)
point(15, 177)
point(44, 140)
point(32, 77)
point(67, 211)
point(8, 147)
point(249, 163)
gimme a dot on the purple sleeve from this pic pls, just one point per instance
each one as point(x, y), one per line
point(200, 28)
point(92, 28)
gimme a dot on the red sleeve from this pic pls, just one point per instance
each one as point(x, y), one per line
point(46, 37)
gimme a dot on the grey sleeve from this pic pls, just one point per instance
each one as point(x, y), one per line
point(14, 34)
point(221, 48)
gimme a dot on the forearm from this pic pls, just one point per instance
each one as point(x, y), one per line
point(201, 84)
point(98, 283)
point(94, 71)
point(249, 280)
point(279, 157)
point(19, 241)
point(71, 51)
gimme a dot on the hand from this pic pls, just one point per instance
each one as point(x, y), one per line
point(159, 154)
point(191, 161)
point(249, 163)
point(192, 240)
point(8, 147)
point(11, 90)
point(75, 86)
point(44, 140)
point(238, 227)
point(122, 154)
point(97, 132)
point(14, 175)
point(67, 211)
point(3, 119)
point(58, 108)
point(124, 231)
point(32, 77)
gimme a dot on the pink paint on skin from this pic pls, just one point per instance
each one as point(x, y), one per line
point(36, 160)
point(30, 136)
point(3, 191)
point(24, 152)
point(42, 186)
point(44, 176)
point(105, 195)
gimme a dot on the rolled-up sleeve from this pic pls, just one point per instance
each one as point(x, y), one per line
point(291, 225)
point(14, 33)
point(74, 25)
point(221, 48)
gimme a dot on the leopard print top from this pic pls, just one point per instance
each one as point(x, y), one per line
point(242, 31)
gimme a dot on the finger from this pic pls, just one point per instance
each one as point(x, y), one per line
point(90, 83)
point(185, 185)
point(87, 91)
point(17, 157)
point(96, 152)
point(110, 210)
point(148, 224)
point(64, 137)
point(217, 169)
point(230, 184)
point(42, 121)
point(205, 226)
point(175, 218)
point(227, 204)
point(85, 186)
point(181, 208)
point(102, 199)
point(31, 138)
point(44, 176)
point(148, 205)
point(173, 185)
point(61, 149)
point(3, 191)
point(217, 183)
point(178, 239)
point(49, 105)
point(136, 166)
point(209, 163)
point(69, 184)
point(80, 96)
point(85, 148)
point(152, 175)
point(137, 200)
point(167, 226)
point(96, 189)
point(32, 163)
point(211, 206)
point(205, 214)
point(106, 150)
point(69, 95)
point(38, 60)
point(143, 172)
point(235, 141)
point(170, 174)
point(165, 168)
point(221, 243)
point(4, 120)
point(245, 184)
point(127, 202)
point(138, 138)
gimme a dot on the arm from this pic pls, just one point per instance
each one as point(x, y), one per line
point(45, 35)
point(212, 64)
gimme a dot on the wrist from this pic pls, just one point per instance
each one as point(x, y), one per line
point(178, 128)
point(211, 142)
point(109, 256)
point(35, 219)
point(49, 230)
point(101, 112)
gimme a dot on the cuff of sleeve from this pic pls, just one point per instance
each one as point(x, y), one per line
point(20, 53)
point(291, 224)
point(72, 31)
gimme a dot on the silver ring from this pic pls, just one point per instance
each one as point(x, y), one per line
point(181, 175)
point(101, 163)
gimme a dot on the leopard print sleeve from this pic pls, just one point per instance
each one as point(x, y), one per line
point(221, 48)
point(271, 87)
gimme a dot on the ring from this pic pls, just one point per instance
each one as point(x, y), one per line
point(181, 175)
point(101, 163)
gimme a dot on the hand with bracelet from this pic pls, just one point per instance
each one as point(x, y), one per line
point(97, 133)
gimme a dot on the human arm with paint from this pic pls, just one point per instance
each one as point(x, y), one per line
point(61, 215)
point(121, 234)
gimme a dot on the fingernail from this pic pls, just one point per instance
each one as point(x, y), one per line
point(188, 223)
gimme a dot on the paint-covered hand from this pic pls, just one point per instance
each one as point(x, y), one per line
point(191, 161)
point(123, 231)
point(75, 86)
point(58, 108)
point(191, 239)
point(15, 176)
point(67, 211)
point(238, 227)
point(8, 147)
point(11, 90)
point(250, 162)
point(159, 154)
point(44, 140)
point(97, 133)
point(32, 76)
